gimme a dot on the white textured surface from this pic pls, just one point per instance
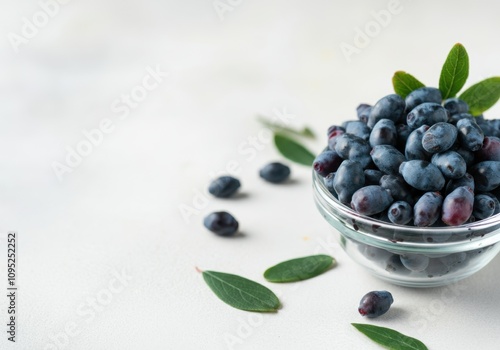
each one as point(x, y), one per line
point(119, 209)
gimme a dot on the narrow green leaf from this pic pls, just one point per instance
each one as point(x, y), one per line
point(482, 96)
point(389, 338)
point(454, 72)
point(405, 83)
point(299, 269)
point(305, 132)
point(293, 150)
point(240, 292)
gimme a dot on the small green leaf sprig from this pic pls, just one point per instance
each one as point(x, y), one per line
point(480, 96)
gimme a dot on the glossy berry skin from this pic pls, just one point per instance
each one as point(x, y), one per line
point(415, 262)
point(427, 209)
point(422, 175)
point(327, 162)
point(439, 138)
point(484, 206)
point(275, 172)
point(383, 133)
point(221, 223)
point(372, 176)
point(490, 149)
point(388, 107)
point(354, 148)
point(427, 113)
point(328, 180)
point(333, 133)
point(457, 206)
point(455, 106)
point(486, 175)
point(375, 304)
point(363, 111)
point(451, 164)
point(470, 134)
point(466, 180)
point(224, 186)
point(387, 158)
point(455, 118)
point(421, 95)
point(413, 147)
point(400, 213)
point(358, 128)
point(371, 200)
point(398, 188)
point(495, 199)
point(349, 178)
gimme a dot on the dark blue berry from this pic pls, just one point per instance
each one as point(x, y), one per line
point(490, 149)
point(413, 147)
point(415, 262)
point(383, 133)
point(224, 186)
point(389, 107)
point(327, 162)
point(400, 213)
point(427, 209)
point(398, 188)
point(221, 223)
point(486, 175)
point(363, 112)
point(403, 132)
point(470, 134)
point(439, 138)
point(422, 175)
point(387, 158)
point(457, 206)
point(371, 200)
point(497, 203)
point(375, 304)
point(451, 164)
point(354, 148)
point(358, 128)
point(275, 172)
point(334, 132)
point(427, 113)
point(484, 206)
point(348, 179)
point(421, 95)
point(455, 106)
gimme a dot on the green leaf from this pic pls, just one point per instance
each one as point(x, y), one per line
point(305, 132)
point(241, 293)
point(389, 338)
point(293, 150)
point(405, 83)
point(482, 96)
point(454, 72)
point(299, 269)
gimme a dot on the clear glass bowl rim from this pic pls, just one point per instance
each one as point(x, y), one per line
point(323, 196)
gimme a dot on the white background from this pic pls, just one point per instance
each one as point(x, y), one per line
point(118, 210)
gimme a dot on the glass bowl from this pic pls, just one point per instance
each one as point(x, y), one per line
point(437, 256)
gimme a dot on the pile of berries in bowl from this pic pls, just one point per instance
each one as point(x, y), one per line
point(412, 187)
